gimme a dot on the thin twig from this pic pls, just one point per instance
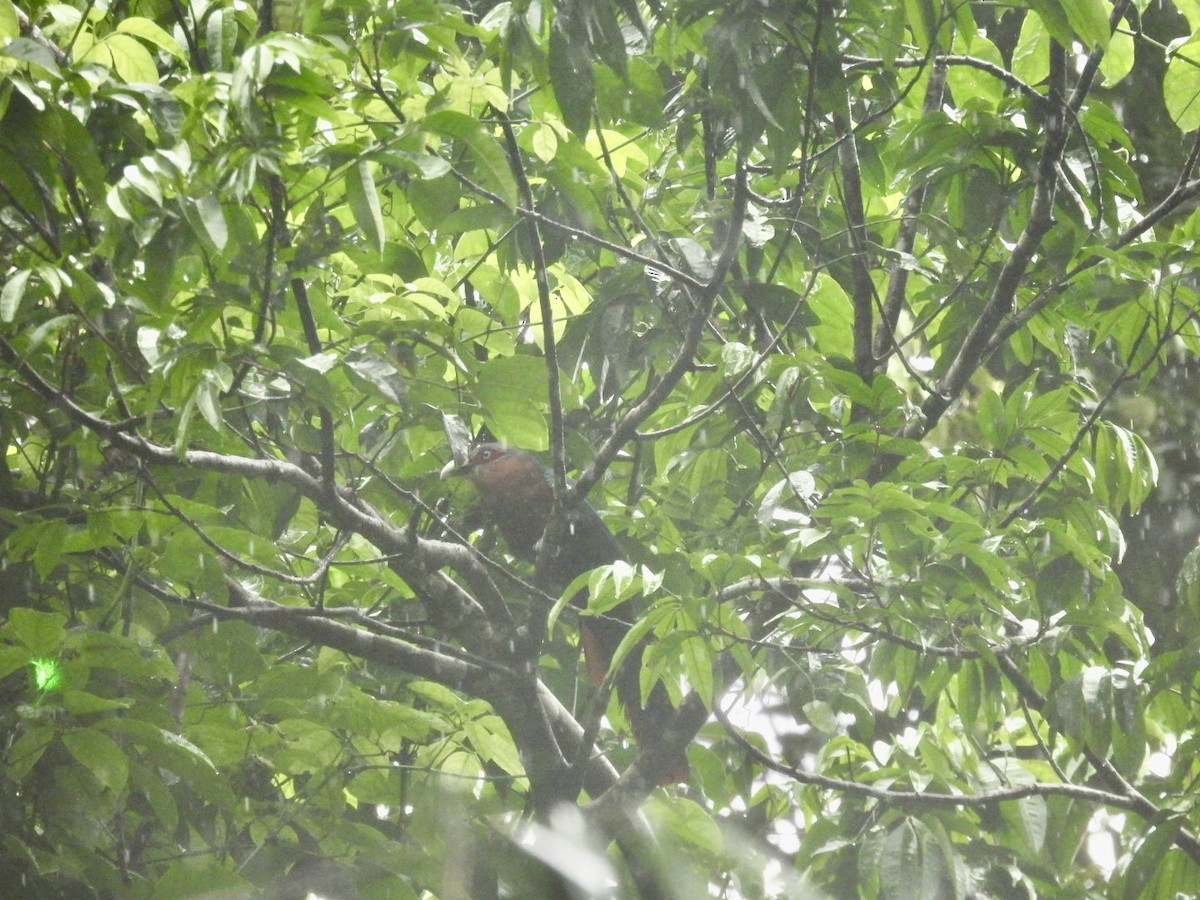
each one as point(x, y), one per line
point(923, 798)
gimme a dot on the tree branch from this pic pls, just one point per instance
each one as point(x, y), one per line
point(914, 202)
point(863, 288)
point(927, 799)
point(981, 340)
point(1003, 295)
point(620, 250)
point(1130, 798)
point(626, 427)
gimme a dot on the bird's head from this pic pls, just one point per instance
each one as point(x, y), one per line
point(515, 490)
point(480, 457)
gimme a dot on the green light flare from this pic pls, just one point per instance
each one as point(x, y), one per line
point(46, 674)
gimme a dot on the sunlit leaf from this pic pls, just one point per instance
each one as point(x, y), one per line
point(11, 294)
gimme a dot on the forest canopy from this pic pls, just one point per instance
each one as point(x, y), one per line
point(867, 329)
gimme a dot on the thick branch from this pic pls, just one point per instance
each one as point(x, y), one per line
point(612, 808)
point(1179, 199)
point(492, 682)
point(411, 557)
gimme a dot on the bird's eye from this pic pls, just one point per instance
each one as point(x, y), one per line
point(486, 455)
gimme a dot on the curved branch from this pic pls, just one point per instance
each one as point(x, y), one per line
point(952, 59)
point(413, 558)
point(1179, 197)
point(930, 799)
point(653, 397)
point(980, 341)
point(1130, 797)
point(620, 250)
point(1000, 303)
point(484, 678)
point(25, 23)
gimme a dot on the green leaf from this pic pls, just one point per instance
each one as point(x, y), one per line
point(425, 165)
point(969, 695)
point(183, 879)
point(1126, 468)
point(220, 42)
point(11, 294)
point(1055, 19)
point(1147, 860)
point(491, 740)
point(144, 182)
point(992, 421)
point(364, 203)
point(1181, 86)
point(1118, 59)
point(512, 391)
point(207, 219)
point(377, 786)
point(921, 20)
point(698, 667)
point(379, 372)
point(319, 362)
point(151, 33)
point(79, 703)
point(33, 52)
point(1096, 691)
point(736, 358)
point(100, 755)
point(185, 757)
point(12, 659)
point(688, 822)
point(784, 503)
point(126, 56)
point(10, 27)
point(489, 157)
point(26, 751)
point(439, 694)
point(1089, 20)
point(1033, 814)
point(970, 82)
point(912, 863)
point(206, 399)
point(570, 64)
point(41, 632)
point(1129, 726)
point(833, 310)
point(47, 675)
point(605, 35)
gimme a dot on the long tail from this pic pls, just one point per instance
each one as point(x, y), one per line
point(600, 638)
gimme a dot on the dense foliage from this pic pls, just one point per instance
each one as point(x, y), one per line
point(857, 321)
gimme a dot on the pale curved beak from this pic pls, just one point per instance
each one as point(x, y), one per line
point(452, 469)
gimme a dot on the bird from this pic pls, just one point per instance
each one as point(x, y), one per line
point(517, 495)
